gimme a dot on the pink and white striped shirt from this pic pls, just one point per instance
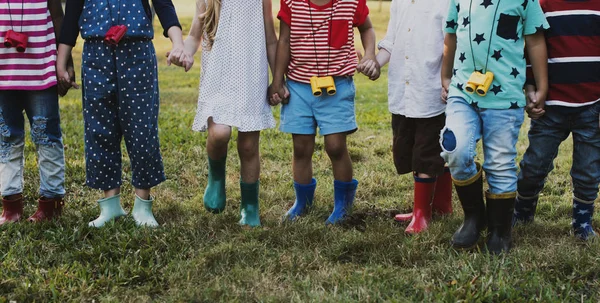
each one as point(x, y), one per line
point(34, 69)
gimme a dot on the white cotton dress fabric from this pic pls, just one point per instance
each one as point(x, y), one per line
point(235, 76)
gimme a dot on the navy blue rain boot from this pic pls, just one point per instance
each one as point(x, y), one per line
point(344, 193)
point(582, 219)
point(524, 209)
point(305, 193)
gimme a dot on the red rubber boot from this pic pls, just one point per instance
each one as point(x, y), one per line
point(424, 189)
point(47, 209)
point(442, 198)
point(12, 209)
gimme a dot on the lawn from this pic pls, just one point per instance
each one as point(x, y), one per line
point(197, 256)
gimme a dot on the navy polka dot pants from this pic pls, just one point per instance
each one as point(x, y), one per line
point(121, 100)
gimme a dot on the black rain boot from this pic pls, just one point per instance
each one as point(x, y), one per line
point(470, 193)
point(500, 208)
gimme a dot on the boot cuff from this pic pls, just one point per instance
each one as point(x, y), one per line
point(470, 180)
point(501, 196)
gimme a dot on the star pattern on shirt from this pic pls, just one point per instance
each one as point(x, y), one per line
point(479, 38)
point(465, 21)
point(475, 104)
point(451, 24)
point(458, 8)
point(514, 72)
point(462, 57)
point(487, 3)
point(459, 86)
point(497, 54)
point(514, 105)
point(540, 28)
point(496, 89)
point(454, 70)
point(524, 4)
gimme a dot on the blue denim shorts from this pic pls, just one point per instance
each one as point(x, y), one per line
point(332, 114)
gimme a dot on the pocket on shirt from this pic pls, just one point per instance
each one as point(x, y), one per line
point(507, 27)
point(338, 33)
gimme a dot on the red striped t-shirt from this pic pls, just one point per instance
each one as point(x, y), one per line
point(319, 47)
point(34, 69)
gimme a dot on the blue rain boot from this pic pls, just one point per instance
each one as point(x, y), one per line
point(524, 209)
point(110, 208)
point(305, 194)
point(142, 212)
point(582, 219)
point(344, 193)
point(250, 210)
point(214, 195)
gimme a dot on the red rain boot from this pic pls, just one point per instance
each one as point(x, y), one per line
point(424, 188)
point(12, 209)
point(442, 199)
point(47, 209)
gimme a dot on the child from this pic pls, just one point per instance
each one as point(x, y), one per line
point(572, 107)
point(415, 36)
point(28, 83)
point(488, 38)
point(233, 91)
point(317, 39)
point(120, 96)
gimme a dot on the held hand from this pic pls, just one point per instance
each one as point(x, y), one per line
point(66, 79)
point(278, 93)
point(445, 87)
point(369, 67)
point(174, 55)
point(535, 102)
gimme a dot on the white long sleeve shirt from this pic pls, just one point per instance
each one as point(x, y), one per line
point(415, 40)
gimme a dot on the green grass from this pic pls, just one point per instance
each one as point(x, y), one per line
point(197, 256)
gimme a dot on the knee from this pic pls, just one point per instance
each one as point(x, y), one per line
point(247, 149)
point(302, 151)
point(40, 132)
point(219, 137)
point(453, 152)
point(336, 150)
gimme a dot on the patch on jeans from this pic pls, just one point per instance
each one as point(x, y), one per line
point(5, 149)
point(4, 130)
point(38, 131)
point(448, 140)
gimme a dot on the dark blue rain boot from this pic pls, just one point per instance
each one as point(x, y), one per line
point(344, 193)
point(524, 209)
point(305, 193)
point(582, 219)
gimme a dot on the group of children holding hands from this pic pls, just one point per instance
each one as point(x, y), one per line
point(460, 71)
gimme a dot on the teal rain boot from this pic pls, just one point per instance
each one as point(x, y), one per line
point(110, 208)
point(250, 210)
point(142, 212)
point(214, 195)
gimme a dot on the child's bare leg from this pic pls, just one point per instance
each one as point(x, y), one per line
point(112, 192)
point(335, 146)
point(250, 172)
point(216, 147)
point(304, 146)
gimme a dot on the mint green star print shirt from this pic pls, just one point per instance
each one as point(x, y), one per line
point(492, 32)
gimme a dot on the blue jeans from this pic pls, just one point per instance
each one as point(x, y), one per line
point(41, 108)
point(499, 128)
point(546, 135)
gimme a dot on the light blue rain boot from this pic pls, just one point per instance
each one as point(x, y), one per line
point(142, 212)
point(250, 210)
point(305, 194)
point(344, 193)
point(110, 208)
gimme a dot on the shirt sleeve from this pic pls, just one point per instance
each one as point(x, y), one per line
point(285, 13)
point(452, 18)
point(70, 26)
point(361, 14)
point(166, 14)
point(534, 19)
point(390, 37)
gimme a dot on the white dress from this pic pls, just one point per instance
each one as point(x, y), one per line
point(235, 76)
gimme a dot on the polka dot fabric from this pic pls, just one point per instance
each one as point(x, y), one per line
point(121, 100)
point(235, 75)
point(100, 15)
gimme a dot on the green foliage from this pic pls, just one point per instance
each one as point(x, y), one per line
point(196, 256)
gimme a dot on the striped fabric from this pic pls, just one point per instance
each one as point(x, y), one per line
point(316, 47)
point(35, 68)
point(573, 42)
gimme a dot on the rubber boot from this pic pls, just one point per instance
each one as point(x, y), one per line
point(442, 199)
point(110, 208)
point(424, 189)
point(250, 209)
point(582, 219)
point(344, 193)
point(12, 209)
point(524, 209)
point(305, 194)
point(500, 209)
point(142, 212)
point(470, 194)
point(214, 195)
point(48, 208)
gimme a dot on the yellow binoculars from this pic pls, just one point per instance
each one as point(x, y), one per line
point(317, 84)
point(479, 83)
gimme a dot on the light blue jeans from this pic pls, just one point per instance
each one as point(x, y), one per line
point(42, 109)
point(499, 129)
